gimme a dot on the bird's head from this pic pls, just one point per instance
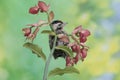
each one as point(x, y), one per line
point(57, 25)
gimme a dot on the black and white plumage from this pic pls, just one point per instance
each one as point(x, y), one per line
point(57, 26)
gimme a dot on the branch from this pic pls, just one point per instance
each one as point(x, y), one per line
point(49, 59)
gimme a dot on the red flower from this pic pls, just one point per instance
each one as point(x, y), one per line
point(85, 32)
point(81, 33)
point(83, 39)
point(75, 47)
point(84, 52)
point(77, 57)
point(43, 6)
point(81, 55)
point(26, 31)
point(34, 10)
point(69, 61)
point(28, 34)
point(34, 34)
point(77, 29)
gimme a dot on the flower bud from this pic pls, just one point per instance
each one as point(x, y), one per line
point(26, 31)
point(85, 32)
point(83, 39)
point(70, 61)
point(84, 52)
point(75, 48)
point(77, 29)
point(43, 6)
point(34, 10)
point(76, 58)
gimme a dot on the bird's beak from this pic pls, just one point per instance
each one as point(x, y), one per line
point(64, 24)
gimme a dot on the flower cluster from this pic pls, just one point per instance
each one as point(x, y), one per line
point(42, 7)
point(79, 35)
point(28, 31)
point(78, 46)
point(59, 40)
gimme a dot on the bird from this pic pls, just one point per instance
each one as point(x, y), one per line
point(57, 26)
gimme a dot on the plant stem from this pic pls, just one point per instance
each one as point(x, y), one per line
point(72, 36)
point(49, 59)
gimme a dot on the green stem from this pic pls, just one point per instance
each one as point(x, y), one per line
point(72, 36)
point(49, 59)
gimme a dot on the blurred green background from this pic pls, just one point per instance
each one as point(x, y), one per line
point(101, 17)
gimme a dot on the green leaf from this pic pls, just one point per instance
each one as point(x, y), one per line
point(48, 32)
point(66, 70)
point(66, 49)
point(35, 49)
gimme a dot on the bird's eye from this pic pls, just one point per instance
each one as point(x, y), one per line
point(59, 24)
